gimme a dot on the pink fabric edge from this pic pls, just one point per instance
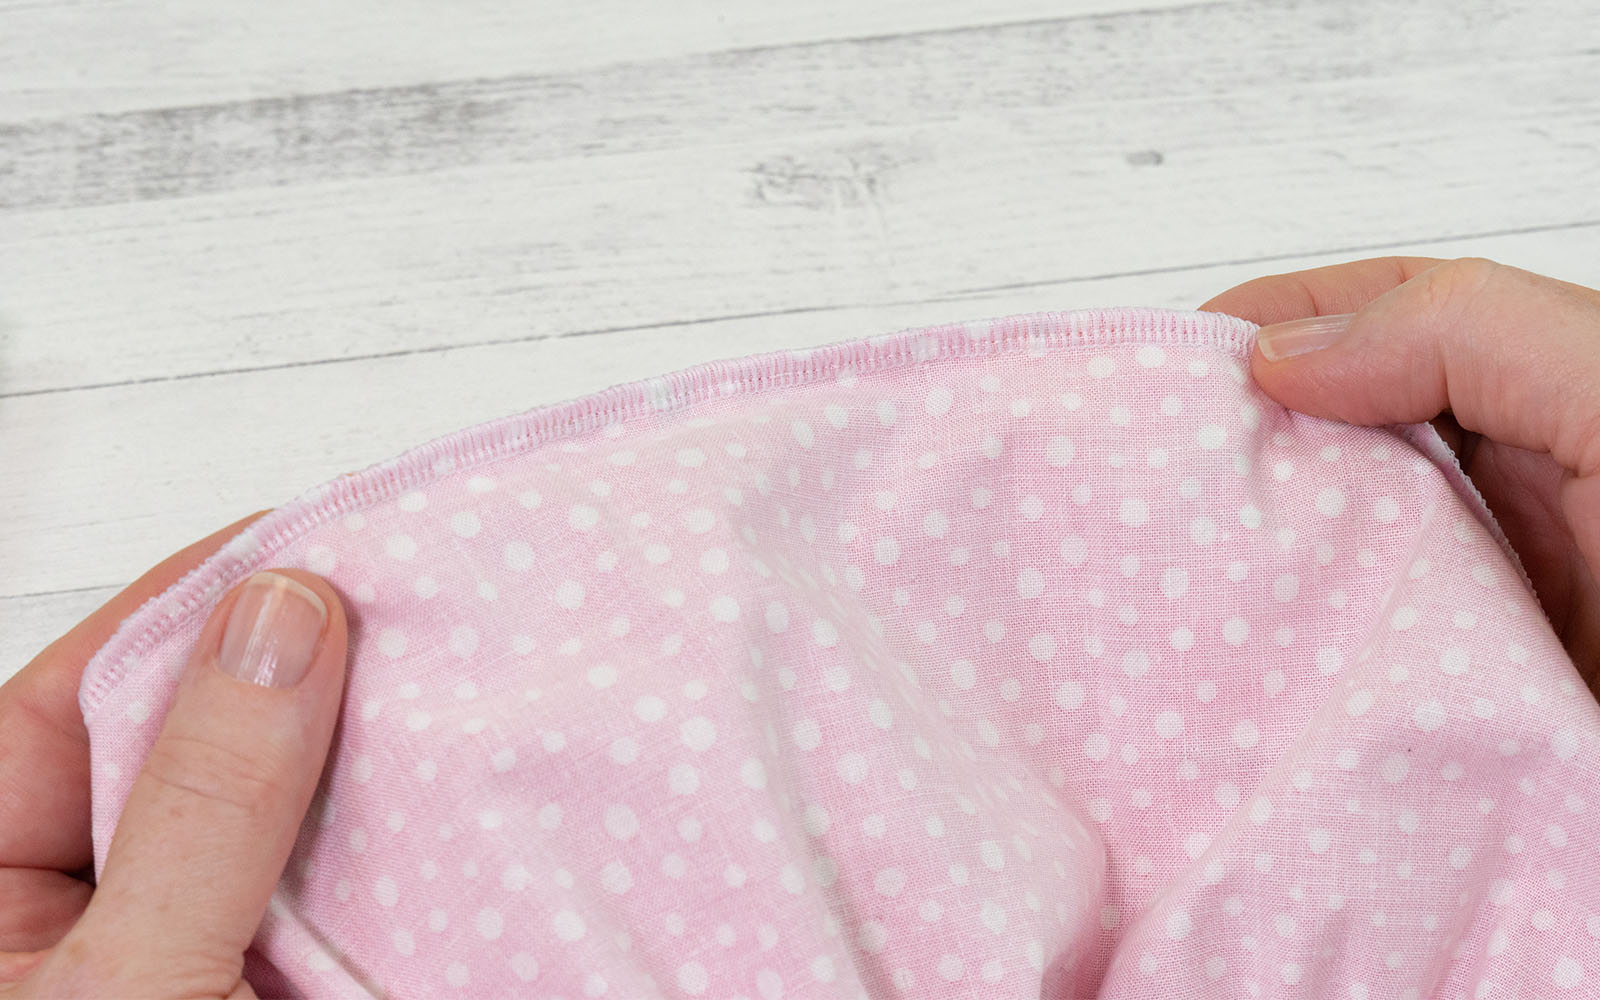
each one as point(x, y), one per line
point(252, 548)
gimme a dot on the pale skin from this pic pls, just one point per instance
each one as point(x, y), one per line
point(1506, 363)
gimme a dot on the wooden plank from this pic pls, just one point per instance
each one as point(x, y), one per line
point(105, 56)
point(903, 81)
point(278, 276)
point(35, 621)
point(101, 484)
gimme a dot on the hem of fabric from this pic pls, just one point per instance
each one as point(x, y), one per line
point(1425, 438)
point(754, 374)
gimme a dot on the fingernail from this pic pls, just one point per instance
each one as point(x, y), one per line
point(1301, 336)
point(272, 631)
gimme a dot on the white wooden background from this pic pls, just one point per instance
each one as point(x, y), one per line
point(246, 247)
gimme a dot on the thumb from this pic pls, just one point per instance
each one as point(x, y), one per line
point(1513, 355)
point(210, 821)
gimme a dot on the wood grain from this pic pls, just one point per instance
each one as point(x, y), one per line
point(265, 276)
point(66, 57)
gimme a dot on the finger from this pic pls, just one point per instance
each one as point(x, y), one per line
point(1320, 291)
point(37, 907)
point(1512, 355)
point(44, 757)
point(210, 821)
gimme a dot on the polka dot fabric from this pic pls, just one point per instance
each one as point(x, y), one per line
point(1043, 656)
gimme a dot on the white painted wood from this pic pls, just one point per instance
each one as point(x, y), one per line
point(269, 276)
point(100, 56)
point(32, 623)
point(244, 249)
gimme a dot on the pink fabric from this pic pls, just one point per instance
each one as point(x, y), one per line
point(1041, 656)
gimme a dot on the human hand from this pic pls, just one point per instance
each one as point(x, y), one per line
point(1512, 360)
point(210, 822)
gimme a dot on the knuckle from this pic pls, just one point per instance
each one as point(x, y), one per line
point(200, 769)
point(1451, 286)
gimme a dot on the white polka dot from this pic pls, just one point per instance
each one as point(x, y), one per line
point(621, 822)
point(1246, 734)
point(401, 547)
point(465, 524)
point(938, 402)
point(321, 560)
point(698, 733)
point(725, 609)
point(1059, 451)
point(490, 924)
point(807, 734)
point(1096, 746)
point(1285, 587)
point(1074, 550)
point(993, 855)
point(824, 633)
point(963, 675)
point(568, 925)
point(1030, 583)
point(1564, 744)
point(1429, 716)
point(1567, 972)
point(1211, 437)
point(683, 779)
point(802, 433)
point(569, 594)
point(1070, 695)
point(1150, 356)
point(1135, 663)
point(1179, 924)
point(1169, 724)
point(1101, 367)
point(1235, 631)
point(1385, 510)
point(951, 967)
point(385, 891)
point(1329, 660)
point(1330, 502)
point(1041, 647)
point(886, 551)
point(1261, 811)
point(1135, 512)
point(463, 641)
point(889, 882)
point(852, 768)
point(518, 556)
